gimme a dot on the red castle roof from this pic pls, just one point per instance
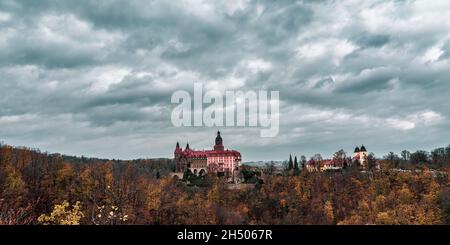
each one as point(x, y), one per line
point(218, 150)
point(206, 153)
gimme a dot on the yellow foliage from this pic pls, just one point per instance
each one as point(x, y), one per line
point(14, 185)
point(62, 214)
point(404, 195)
point(329, 213)
point(384, 218)
point(380, 203)
point(354, 219)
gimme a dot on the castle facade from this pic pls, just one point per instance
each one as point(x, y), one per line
point(200, 162)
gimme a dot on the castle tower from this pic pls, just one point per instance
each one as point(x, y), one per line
point(363, 156)
point(363, 149)
point(360, 155)
point(177, 158)
point(219, 143)
point(356, 152)
point(178, 150)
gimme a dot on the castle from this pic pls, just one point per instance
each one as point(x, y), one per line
point(200, 162)
point(360, 155)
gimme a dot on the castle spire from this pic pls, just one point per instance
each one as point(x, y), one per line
point(363, 148)
point(219, 143)
point(177, 148)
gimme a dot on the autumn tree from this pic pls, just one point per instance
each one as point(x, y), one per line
point(371, 161)
point(447, 211)
point(63, 214)
point(39, 188)
point(339, 157)
point(13, 186)
point(419, 157)
point(405, 155)
point(269, 167)
point(303, 161)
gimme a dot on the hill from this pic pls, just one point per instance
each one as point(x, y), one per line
point(42, 188)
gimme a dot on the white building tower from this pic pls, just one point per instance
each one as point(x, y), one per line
point(361, 155)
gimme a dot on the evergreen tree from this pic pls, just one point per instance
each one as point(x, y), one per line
point(296, 163)
point(296, 168)
point(290, 164)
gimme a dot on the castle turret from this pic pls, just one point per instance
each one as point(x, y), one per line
point(361, 155)
point(177, 157)
point(178, 149)
point(363, 149)
point(219, 143)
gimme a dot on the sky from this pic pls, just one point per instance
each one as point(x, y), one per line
point(95, 78)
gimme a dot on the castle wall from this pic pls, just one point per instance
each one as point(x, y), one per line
point(225, 163)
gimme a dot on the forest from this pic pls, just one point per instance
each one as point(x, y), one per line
point(53, 189)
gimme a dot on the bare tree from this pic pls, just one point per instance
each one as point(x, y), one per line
point(405, 155)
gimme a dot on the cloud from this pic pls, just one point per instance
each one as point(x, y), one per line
point(88, 77)
point(400, 124)
point(371, 41)
point(56, 41)
point(368, 80)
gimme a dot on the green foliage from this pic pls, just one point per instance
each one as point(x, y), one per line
point(252, 180)
point(290, 163)
point(296, 164)
point(187, 175)
point(200, 181)
point(250, 176)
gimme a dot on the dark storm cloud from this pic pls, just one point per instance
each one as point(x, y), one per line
point(84, 77)
point(365, 40)
point(369, 81)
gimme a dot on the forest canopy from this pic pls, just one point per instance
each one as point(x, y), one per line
point(42, 188)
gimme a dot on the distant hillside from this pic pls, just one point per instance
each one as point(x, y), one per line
point(262, 163)
point(23, 156)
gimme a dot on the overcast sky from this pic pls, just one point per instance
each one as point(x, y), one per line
point(95, 78)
